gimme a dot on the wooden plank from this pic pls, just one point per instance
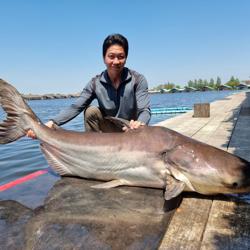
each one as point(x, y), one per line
point(188, 224)
point(228, 226)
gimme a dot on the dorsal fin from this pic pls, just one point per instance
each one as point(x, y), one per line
point(56, 127)
point(118, 122)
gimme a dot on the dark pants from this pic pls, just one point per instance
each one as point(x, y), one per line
point(95, 122)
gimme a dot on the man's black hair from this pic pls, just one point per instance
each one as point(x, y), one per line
point(115, 39)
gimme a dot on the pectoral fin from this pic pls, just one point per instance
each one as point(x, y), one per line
point(173, 187)
point(111, 184)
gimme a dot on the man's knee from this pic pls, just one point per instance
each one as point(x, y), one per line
point(92, 119)
point(92, 112)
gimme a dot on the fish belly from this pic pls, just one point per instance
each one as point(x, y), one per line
point(105, 163)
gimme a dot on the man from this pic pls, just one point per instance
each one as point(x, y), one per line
point(120, 92)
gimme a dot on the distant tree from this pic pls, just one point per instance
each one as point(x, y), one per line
point(233, 82)
point(196, 83)
point(165, 86)
point(218, 82)
point(232, 79)
point(169, 85)
point(190, 84)
point(211, 83)
point(158, 87)
point(200, 84)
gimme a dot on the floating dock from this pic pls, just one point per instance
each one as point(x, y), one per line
point(170, 110)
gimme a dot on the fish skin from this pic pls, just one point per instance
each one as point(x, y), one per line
point(150, 156)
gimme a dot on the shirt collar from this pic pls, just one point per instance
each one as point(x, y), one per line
point(125, 77)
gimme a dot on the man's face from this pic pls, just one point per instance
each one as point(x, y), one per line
point(115, 58)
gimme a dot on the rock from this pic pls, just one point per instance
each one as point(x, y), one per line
point(76, 216)
point(49, 96)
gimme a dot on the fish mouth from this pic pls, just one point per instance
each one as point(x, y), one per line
point(234, 185)
point(237, 187)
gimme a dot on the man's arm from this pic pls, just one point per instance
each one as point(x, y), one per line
point(86, 97)
point(143, 100)
point(77, 107)
point(142, 103)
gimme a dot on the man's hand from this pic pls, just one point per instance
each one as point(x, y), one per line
point(31, 133)
point(133, 125)
point(49, 124)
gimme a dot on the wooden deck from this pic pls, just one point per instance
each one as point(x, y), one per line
point(213, 222)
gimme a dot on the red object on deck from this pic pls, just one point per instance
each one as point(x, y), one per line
point(22, 179)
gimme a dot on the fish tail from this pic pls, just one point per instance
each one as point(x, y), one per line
point(19, 116)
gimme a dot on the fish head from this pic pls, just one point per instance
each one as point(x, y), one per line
point(221, 172)
point(209, 170)
point(233, 173)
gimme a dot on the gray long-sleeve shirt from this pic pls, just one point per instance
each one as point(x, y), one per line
point(130, 101)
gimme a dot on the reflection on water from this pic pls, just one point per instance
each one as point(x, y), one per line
point(24, 156)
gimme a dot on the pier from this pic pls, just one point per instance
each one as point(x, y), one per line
point(219, 222)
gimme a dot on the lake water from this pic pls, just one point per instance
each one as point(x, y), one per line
point(24, 156)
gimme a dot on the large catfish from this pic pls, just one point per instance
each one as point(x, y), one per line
point(148, 157)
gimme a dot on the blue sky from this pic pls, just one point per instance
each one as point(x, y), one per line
point(55, 46)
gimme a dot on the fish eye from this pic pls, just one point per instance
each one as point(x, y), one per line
point(235, 184)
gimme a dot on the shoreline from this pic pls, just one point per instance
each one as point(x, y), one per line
point(65, 96)
point(30, 97)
